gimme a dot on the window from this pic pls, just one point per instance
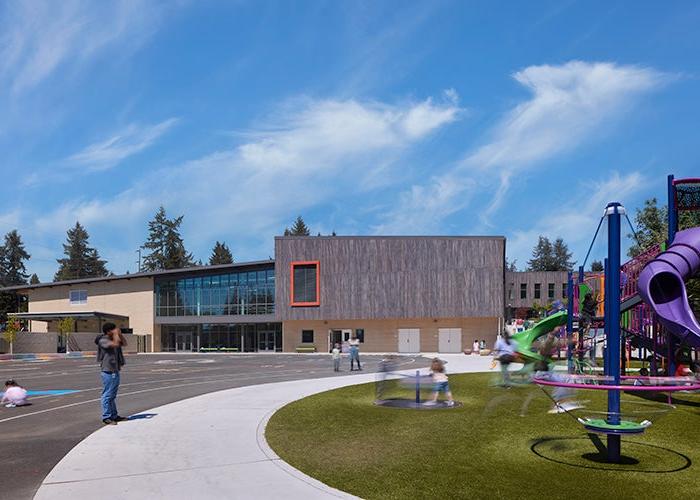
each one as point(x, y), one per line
point(564, 286)
point(510, 291)
point(550, 290)
point(523, 290)
point(538, 290)
point(307, 336)
point(237, 293)
point(360, 334)
point(305, 284)
point(77, 297)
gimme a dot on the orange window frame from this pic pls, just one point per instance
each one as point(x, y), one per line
point(294, 264)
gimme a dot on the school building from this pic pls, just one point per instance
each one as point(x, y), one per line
point(396, 294)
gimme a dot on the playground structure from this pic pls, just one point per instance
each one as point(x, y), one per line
point(644, 298)
point(654, 313)
point(641, 303)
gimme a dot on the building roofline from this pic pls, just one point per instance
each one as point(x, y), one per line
point(399, 237)
point(148, 274)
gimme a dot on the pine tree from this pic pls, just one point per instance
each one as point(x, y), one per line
point(12, 256)
point(561, 256)
point(34, 279)
point(220, 255)
point(12, 272)
point(542, 256)
point(81, 260)
point(512, 265)
point(299, 228)
point(597, 266)
point(167, 249)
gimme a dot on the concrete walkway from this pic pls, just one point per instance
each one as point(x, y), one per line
point(208, 447)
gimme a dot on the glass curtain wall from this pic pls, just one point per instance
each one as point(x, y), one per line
point(209, 337)
point(230, 294)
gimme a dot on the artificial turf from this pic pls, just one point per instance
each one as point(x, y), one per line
point(484, 449)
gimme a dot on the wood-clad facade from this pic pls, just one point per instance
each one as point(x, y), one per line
point(381, 285)
point(395, 277)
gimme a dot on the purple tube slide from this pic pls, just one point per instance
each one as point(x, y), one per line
point(662, 285)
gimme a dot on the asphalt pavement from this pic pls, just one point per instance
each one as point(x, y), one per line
point(34, 438)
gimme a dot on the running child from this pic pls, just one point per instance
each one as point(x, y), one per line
point(440, 383)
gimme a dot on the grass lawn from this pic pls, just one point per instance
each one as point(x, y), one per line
point(483, 449)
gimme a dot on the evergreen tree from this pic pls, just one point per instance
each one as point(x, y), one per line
point(550, 257)
point(81, 260)
point(12, 273)
point(167, 249)
point(512, 265)
point(561, 256)
point(34, 279)
point(542, 256)
point(220, 255)
point(597, 266)
point(12, 256)
point(299, 228)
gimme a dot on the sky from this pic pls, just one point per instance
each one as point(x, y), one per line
point(365, 117)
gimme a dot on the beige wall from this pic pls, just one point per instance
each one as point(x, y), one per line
point(383, 336)
point(127, 297)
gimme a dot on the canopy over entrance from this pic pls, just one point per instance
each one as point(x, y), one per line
point(71, 314)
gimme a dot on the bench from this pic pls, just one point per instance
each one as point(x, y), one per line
point(306, 348)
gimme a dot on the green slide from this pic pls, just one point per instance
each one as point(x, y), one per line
point(524, 340)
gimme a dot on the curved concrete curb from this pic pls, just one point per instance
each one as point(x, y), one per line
point(208, 447)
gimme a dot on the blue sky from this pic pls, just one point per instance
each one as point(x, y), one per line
point(508, 118)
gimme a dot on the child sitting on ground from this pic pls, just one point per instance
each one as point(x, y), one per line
point(14, 395)
point(440, 383)
point(335, 354)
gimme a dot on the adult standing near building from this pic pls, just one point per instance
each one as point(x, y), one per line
point(354, 353)
point(111, 360)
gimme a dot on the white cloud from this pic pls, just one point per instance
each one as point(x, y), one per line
point(570, 104)
point(318, 152)
point(38, 37)
point(329, 132)
point(576, 221)
point(127, 142)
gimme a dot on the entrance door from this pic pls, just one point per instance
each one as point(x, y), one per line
point(409, 340)
point(334, 337)
point(450, 340)
point(266, 341)
point(183, 342)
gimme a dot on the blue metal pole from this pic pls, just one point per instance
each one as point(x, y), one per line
point(612, 319)
point(570, 321)
point(672, 211)
point(417, 387)
point(672, 228)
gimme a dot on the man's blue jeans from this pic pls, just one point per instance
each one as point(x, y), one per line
point(110, 384)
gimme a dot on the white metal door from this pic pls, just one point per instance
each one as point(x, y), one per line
point(409, 340)
point(450, 340)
